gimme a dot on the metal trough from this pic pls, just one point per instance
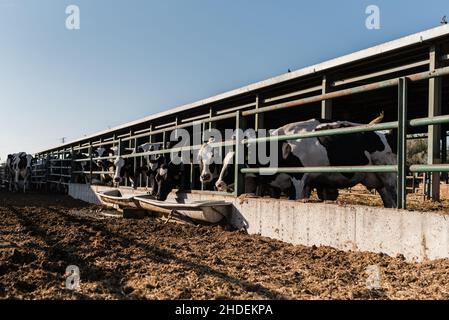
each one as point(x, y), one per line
point(116, 198)
point(212, 212)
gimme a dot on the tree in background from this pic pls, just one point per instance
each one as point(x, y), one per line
point(416, 151)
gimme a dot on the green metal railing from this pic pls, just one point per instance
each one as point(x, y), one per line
point(401, 125)
point(241, 115)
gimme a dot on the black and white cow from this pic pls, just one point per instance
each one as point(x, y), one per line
point(170, 174)
point(272, 185)
point(124, 167)
point(85, 166)
point(359, 149)
point(106, 165)
point(18, 166)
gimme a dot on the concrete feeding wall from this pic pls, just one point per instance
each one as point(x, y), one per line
point(416, 235)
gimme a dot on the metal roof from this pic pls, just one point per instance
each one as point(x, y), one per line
point(401, 43)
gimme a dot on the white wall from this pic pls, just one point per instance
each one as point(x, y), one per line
point(416, 235)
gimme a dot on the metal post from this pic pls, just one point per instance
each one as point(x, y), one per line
point(239, 179)
point(402, 144)
point(433, 142)
point(326, 105)
point(150, 140)
point(91, 162)
point(260, 117)
point(444, 175)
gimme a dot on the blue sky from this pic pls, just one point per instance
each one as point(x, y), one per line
point(134, 58)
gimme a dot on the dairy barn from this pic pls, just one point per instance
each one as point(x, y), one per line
point(405, 80)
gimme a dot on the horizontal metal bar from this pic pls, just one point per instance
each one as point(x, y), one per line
point(59, 182)
point(429, 121)
point(293, 94)
point(346, 92)
point(165, 125)
point(322, 133)
point(180, 149)
point(430, 168)
point(182, 126)
point(237, 108)
point(336, 169)
point(202, 116)
point(380, 73)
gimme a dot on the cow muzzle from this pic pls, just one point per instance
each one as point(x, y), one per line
point(221, 186)
point(207, 177)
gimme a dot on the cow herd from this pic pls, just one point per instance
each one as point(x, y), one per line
point(111, 166)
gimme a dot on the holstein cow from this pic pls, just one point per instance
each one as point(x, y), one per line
point(368, 148)
point(86, 166)
point(106, 165)
point(18, 166)
point(358, 149)
point(170, 175)
point(272, 185)
point(124, 167)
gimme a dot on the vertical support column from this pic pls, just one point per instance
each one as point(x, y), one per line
point(433, 142)
point(260, 117)
point(444, 149)
point(119, 153)
point(135, 178)
point(402, 144)
point(91, 162)
point(239, 179)
point(326, 105)
point(72, 165)
point(150, 140)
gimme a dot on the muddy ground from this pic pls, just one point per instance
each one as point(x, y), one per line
point(40, 235)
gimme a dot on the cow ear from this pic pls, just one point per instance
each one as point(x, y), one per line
point(286, 150)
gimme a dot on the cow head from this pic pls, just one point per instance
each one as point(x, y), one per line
point(106, 164)
point(154, 160)
point(206, 161)
point(226, 179)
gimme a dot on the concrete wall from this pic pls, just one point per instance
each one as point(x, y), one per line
point(416, 235)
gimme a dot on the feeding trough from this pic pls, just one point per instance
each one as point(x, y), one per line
point(113, 198)
point(211, 212)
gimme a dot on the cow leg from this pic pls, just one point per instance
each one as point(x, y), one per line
point(16, 181)
point(388, 198)
point(387, 189)
point(327, 194)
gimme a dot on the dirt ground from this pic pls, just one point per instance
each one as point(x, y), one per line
point(42, 234)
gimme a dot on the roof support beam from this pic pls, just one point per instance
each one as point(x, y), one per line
point(326, 105)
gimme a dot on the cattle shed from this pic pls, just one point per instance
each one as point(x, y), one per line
point(405, 78)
